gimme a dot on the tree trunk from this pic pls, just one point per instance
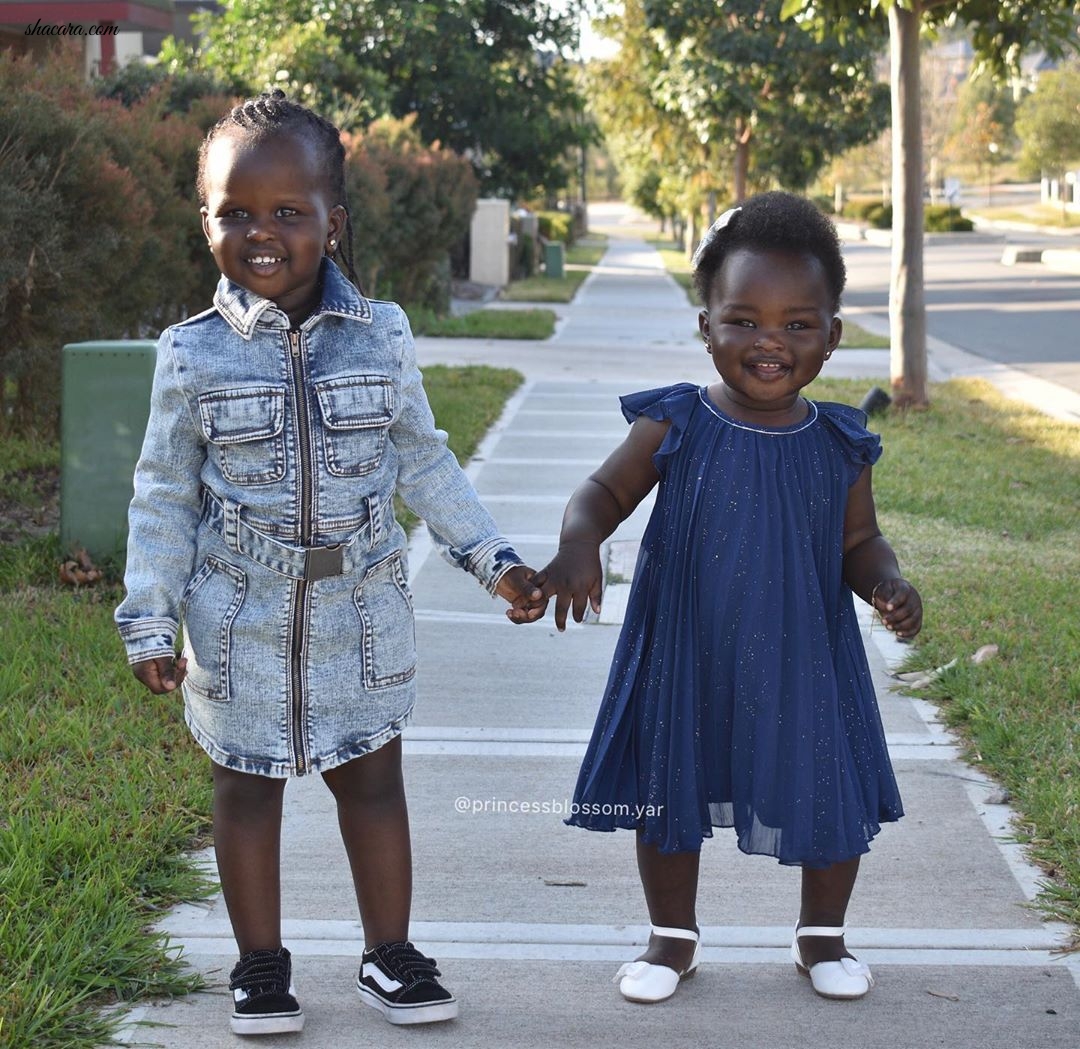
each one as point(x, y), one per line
point(907, 302)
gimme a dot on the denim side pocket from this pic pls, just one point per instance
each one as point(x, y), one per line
point(246, 426)
point(388, 630)
point(356, 413)
point(209, 605)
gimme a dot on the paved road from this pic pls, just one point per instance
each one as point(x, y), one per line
point(1024, 315)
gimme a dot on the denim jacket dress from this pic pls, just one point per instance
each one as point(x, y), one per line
point(262, 520)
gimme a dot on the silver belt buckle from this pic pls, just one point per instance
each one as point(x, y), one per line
point(322, 562)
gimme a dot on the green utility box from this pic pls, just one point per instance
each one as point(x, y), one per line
point(104, 405)
point(553, 259)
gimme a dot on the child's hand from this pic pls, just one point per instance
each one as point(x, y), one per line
point(160, 675)
point(899, 605)
point(574, 577)
point(527, 601)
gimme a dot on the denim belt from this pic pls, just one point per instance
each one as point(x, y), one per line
point(297, 562)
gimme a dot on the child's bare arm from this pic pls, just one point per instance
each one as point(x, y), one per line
point(574, 576)
point(870, 566)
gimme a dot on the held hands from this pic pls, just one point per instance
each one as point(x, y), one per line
point(899, 605)
point(520, 588)
point(574, 577)
point(160, 675)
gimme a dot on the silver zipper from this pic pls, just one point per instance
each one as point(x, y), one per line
point(300, 594)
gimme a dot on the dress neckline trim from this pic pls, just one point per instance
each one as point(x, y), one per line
point(768, 431)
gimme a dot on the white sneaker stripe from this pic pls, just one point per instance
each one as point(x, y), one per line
point(385, 982)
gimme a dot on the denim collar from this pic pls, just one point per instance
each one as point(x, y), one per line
point(244, 310)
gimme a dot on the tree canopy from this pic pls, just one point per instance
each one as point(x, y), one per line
point(1001, 31)
point(731, 98)
point(1048, 122)
point(490, 79)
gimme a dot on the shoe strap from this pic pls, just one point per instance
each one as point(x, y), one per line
point(819, 930)
point(675, 934)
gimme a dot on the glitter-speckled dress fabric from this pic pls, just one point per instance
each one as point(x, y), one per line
point(739, 694)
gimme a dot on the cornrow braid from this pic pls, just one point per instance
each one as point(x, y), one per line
point(273, 114)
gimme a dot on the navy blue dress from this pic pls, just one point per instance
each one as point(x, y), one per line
point(739, 694)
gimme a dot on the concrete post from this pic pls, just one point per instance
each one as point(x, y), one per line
point(489, 234)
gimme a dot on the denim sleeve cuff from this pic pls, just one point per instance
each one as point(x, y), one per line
point(489, 560)
point(149, 639)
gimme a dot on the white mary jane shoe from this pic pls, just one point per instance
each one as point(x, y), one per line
point(846, 978)
point(645, 982)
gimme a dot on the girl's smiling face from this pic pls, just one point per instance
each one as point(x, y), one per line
point(769, 325)
point(268, 217)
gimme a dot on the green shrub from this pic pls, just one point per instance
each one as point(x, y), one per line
point(942, 218)
point(98, 244)
point(557, 225)
point(422, 209)
point(937, 218)
point(879, 216)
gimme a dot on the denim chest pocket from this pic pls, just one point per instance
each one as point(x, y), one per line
point(356, 413)
point(247, 426)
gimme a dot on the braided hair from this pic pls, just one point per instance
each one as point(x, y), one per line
point(272, 114)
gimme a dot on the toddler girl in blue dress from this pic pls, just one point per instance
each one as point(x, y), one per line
point(282, 422)
point(739, 694)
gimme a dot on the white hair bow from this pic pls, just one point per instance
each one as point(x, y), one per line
point(710, 234)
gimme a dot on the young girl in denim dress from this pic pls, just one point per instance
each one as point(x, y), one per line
point(739, 693)
point(282, 422)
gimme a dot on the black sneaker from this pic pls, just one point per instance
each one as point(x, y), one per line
point(264, 999)
point(401, 983)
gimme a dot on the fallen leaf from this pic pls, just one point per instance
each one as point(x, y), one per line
point(986, 652)
point(922, 678)
point(571, 884)
point(944, 994)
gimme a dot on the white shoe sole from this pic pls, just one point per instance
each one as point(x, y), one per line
point(409, 1014)
point(272, 1023)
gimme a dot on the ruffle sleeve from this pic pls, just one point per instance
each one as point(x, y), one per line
point(673, 404)
point(861, 447)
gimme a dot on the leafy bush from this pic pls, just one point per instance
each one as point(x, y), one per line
point(103, 234)
point(941, 218)
point(423, 208)
point(96, 243)
point(879, 216)
point(937, 218)
point(557, 225)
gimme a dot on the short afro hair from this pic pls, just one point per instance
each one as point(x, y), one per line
point(773, 221)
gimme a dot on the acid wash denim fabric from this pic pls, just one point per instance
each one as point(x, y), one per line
point(262, 444)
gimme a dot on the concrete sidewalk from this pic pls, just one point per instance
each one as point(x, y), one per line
point(529, 918)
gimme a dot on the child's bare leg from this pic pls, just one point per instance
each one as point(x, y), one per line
point(374, 821)
point(670, 882)
point(247, 841)
point(825, 895)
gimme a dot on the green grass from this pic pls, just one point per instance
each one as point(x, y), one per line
point(1033, 214)
point(103, 789)
point(486, 324)
point(546, 289)
point(980, 496)
point(588, 251)
point(857, 337)
point(579, 259)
